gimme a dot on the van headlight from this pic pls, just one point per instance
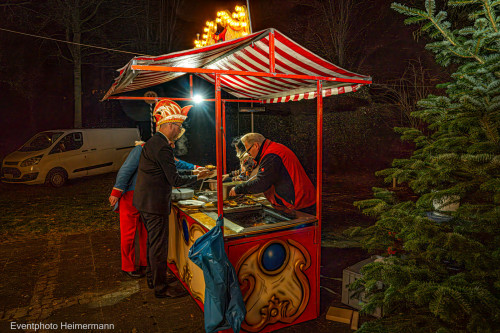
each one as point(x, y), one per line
point(31, 161)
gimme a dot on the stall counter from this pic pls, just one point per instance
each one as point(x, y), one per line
point(276, 263)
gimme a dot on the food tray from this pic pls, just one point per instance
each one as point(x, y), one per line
point(243, 204)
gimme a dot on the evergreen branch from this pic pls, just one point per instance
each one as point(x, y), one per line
point(489, 14)
point(430, 6)
point(457, 3)
point(440, 29)
point(478, 43)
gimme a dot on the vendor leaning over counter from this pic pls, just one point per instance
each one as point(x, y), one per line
point(281, 176)
point(247, 164)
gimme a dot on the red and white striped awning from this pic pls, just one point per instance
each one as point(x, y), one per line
point(265, 66)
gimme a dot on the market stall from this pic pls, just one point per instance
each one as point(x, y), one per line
point(276, 256)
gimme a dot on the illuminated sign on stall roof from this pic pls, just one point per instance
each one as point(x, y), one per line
point(226, 26)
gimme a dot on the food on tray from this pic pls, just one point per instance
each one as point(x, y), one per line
point(210, 167)
point(230, 203)
point(209, 205)
point(248, 202)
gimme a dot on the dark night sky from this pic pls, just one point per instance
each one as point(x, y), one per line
point(54, 77)
point(385, 46)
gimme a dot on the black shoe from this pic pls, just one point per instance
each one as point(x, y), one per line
point(171, 278)
point(171, 293)
point(133, 274)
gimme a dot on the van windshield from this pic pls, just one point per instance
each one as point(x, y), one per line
point(41, 141)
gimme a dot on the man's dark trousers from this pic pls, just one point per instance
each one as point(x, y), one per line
point(157, 227)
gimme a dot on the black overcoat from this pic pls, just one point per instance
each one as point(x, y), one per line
point(156, 176)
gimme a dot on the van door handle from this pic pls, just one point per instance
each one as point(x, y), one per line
point(83, 151)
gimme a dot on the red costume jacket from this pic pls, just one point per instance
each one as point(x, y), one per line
point(281, 177)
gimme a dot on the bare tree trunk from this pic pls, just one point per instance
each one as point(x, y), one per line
point(84, 21)
point(173, 8)
point(76, 52)
point(77, 72)
point(339, 16)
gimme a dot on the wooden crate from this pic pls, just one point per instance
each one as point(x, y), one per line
point(351, 274)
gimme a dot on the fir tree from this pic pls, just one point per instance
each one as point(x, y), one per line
point(445, 277)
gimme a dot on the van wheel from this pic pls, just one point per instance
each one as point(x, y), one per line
point(56, 177)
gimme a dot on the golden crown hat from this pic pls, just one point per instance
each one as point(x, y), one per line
point(168, 111)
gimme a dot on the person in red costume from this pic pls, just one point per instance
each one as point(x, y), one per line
point(280, 176)
point(130, 220)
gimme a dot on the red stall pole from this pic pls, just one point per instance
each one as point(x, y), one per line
point(271, 53)
point(224, 133)
point(319, 180)
point(191, 85)
point(218, 144)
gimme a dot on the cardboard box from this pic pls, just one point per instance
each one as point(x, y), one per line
point(355, 320)
point(339, 314)
point(351, 274)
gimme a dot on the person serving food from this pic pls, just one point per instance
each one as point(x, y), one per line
point(280, 176)
point(247, 164)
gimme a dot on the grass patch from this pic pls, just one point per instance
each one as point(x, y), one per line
point(80, 206)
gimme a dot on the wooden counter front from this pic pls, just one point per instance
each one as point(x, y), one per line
point(268, 286)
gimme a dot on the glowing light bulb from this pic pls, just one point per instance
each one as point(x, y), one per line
point(197, 99)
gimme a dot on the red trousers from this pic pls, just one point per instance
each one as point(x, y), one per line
point(130, 223)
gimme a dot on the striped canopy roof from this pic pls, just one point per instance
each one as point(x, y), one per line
point(248, 54)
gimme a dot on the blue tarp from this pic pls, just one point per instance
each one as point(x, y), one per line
point(224, 306)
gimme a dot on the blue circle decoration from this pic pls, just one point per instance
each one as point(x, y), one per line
point(273, 257)
point(185, 230)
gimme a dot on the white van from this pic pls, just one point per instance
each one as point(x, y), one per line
point(54, 156)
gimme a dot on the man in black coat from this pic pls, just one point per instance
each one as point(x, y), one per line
point(156, 176)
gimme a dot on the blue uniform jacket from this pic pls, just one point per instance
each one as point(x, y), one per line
point(183, 165)
point(127, 175)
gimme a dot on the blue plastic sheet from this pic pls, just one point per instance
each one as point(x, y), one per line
point(224, 306)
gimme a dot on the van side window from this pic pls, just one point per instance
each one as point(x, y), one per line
point(72, 141)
